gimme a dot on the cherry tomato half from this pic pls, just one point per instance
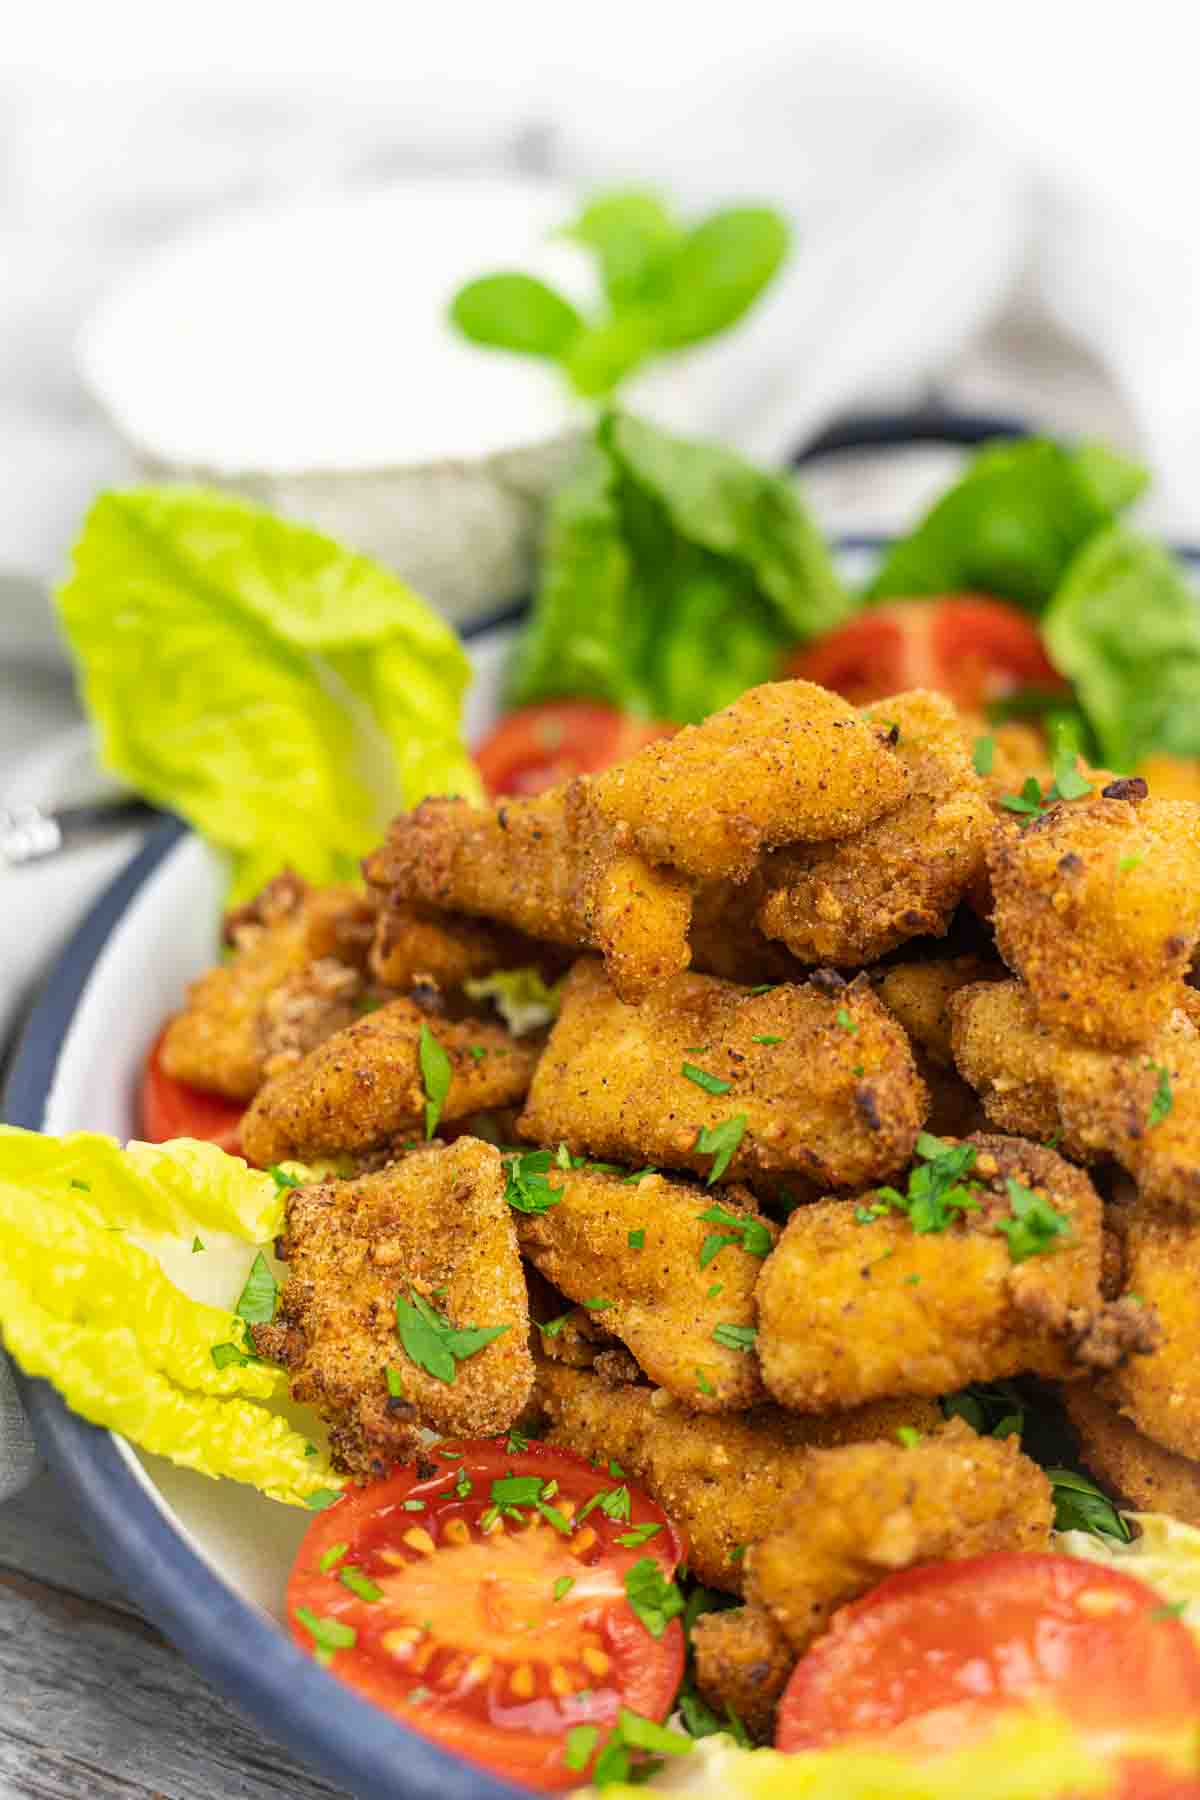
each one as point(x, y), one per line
point(930, 1658)
point(493, 1633)
point(966, 646)
point(537, 747)
point(171, 1109)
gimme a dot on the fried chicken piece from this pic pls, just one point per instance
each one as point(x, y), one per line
point(658, 1290)
point(1172, 777)
point(364, 1086)
point(1097, 907)
point(435, 1226)
point(851, 901)
point(820, 1077)
point(854, 1307)
point(1139, 1472)
point(546, 867)
point(722, 1478)
point(725, 936)
point(415, 944)
point(862, 1512)
point(743, 1664)
point(786, 762)
point(919, 994)
point(1008, 1057)
point(1161, 1261)
point(294, 977)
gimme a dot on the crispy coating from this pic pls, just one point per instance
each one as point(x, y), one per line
point(363, 1087)
point(787, 762)
point(841, 1103)
point(1172, 777)
point(661, 1306)
point(1139, 1472)
point(722, 1478)
point(743, 1662)
point(852, 1311)
point(1008, 1058)
point(725, 937)
point(1161, 1392)
point(415, 944)
point(301, 948)
point(435, 1224)
point(919, 994)
point(851, 901)
point(862, 1512)
point(546, 867)
point(1097, 907)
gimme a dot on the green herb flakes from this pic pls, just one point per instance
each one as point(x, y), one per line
point(435, 1345)
point(327, 1634)
point(636, 1239)
point(333, 1555)
point(197, 1246)
point(842, 1018)
point(1163, 1099)
point(654, 1599)
point(1035, 1225)
point(515, 1443)
point(908, 1435)
point(983, 755)
point(435, 1073)
point(703, 1383)
point(563, 1586)
point(395, 1382)
point(735, 1337)
point(527, 1187)
point(1079, 1505)
point(752, 1234)
point(637, 1535)
point(712, 1084)
point(767, 1039)
point(282, 1178)
point(323, 1497)
point(581, 1740)
point(721, 1142)
point(258, 1299)
point(936, 1191)
point(359, 1584)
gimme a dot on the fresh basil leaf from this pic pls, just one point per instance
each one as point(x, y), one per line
point(1079, 1505)
point(1012, 523)
point(718, 272)
point(516, 312)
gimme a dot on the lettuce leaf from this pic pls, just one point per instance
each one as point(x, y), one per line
point(90, 1309)
point(284, 695)
point(1012, 522)
point(521, 997)
point(1125, 627)
point(674, 575)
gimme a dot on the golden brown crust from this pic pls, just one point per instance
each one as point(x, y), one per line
point(363, 1087)
point(1007, 1056)
point(862, 1512)
point(919, 994)
point(1097, 907)
point(722, 1478)
point(1133, 1468)
point(1160, 1392)
point(785, 762)
point(743, 1663)
point(435, 1224)
point(661, 1299)
point(851, 1312)
point(903, 876)
point(416, 944)
point(839, 1103)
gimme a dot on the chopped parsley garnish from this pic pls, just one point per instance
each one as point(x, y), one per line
point(84, 1187)
point(636, 1239)
point(720, 1142)
point(712, 1084)
point(614, 1503)
point(552, 1327)
point(1035, 1224)
point(1068, 784)
point(935, 1187)
point(516, 1443)
point(908, 1435)
point(1171, 1609)
point(516, 1490)
point(842, 1018)
point(359, 1584)
point(282, 1178)
point(637, 1535)
point(764, 987)
point(632, 1737)
point(196, 1246)
point(753, 1235)
point(1029, 800)
point(414, 1506)
point(1163, 1099)
point(257, 1300)
point(735, 1337)
point(477, 1052)
point(703, 1383)
point(395, 1382)
point(563, 1586)
point(1079, 1505)
point(614, 1468)
point(596, 1304)
point(581, 1740)
point(1129, 862)
point(766, 1038)
point(718, 1287)
point(321, 1498)
point(334, 1554)
point(983, 755)
point(463, 1486)
point(628, 1180)
point(310, 1449)
point(327, 1634)
point(433, 1343)
point(435, 1073)
point(654, 1599)
point(225, 1354)
point(527, 1188)
point(696, 1049)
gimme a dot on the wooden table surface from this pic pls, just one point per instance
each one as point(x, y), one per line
point(94, 1703)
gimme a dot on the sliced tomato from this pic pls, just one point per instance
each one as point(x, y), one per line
point(172, 1109)
point(492, 1632)
point(932, 1657)
point(965, 645)
point(537, 747)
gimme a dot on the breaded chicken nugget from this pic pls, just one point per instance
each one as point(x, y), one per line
point(901, 877)
point(433, 1231)
point(864, 1511)
point(311, 942)
point(722, 1478)
point(1161, 1262)
point(364, 1087)
point(855, 1304)
point(1097, 907)
point(787, 762)
point(1007, 1056)
point(743, 1663)
point(919, 994)
point(1139, 1472)
point(725, 937)
point(415, 944)
point(661, 1273)
point(815, 1080)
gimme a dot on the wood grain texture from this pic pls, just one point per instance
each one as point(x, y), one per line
point(94, 1703)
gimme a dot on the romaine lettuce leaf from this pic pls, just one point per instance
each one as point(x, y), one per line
point(281, 693)
point(1012, 522)
point(1125, 627)
point(674, 574)
point(86, 1305)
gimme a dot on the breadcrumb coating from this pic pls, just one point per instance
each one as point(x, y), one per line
point(1160, 1392)
point(1140, 1473)
point(919, 994)
point(435, 1224)
point(416, 944)
point(786, 762)
point(742, 1664)
point(820, 1075)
